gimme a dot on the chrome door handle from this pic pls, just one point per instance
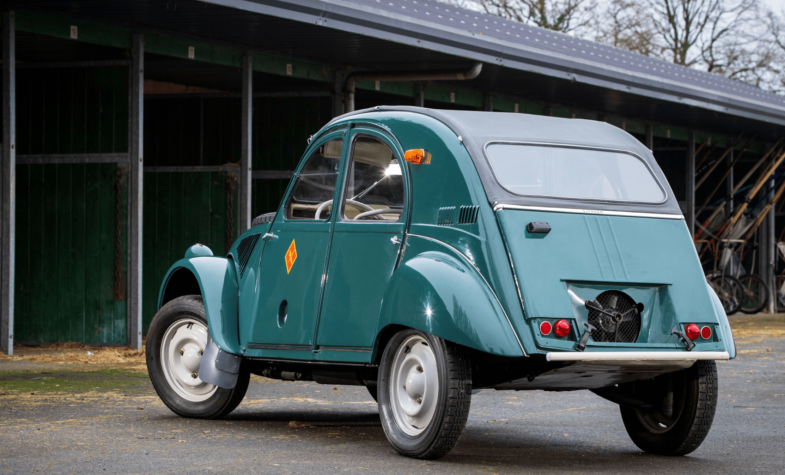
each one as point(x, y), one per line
point(395, 240)
point(268, 236)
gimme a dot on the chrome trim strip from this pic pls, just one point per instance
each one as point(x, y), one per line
point(638, 356)
point(352, 350)
point(581, 147)
point(263, 346)
point(600, 212)
point(486, 283)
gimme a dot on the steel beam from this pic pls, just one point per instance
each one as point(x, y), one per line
point(8, 186)
point(340, 77)
point(231, 95)
point(729, 181)
point(272, 174)
point(74, 64)
point(55, 159)
point(192, 169)
point(246, 157)
point(689, 209)
point(770, 251)
point(650, 137)
point(419, 100)
point(135, 186)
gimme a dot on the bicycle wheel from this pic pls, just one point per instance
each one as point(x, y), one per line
point(730, 292)
point(756, 295)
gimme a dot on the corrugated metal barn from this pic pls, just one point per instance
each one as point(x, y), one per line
point(133, 129)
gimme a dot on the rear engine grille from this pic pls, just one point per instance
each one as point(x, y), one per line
point(244, 251)
point(609, 329)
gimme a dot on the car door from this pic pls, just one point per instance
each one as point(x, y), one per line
point(366, 241)
point(295, 253)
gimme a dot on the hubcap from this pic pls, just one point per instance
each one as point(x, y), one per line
point(414, 385)
point(181, 355)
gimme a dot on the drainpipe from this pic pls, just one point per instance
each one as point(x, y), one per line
point(449, 75)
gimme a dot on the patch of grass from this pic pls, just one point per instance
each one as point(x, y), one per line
point(72, 381)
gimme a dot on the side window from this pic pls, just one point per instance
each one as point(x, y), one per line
point(374, 184)
point(313, 192)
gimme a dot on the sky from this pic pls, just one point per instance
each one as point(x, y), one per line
point(774, 4)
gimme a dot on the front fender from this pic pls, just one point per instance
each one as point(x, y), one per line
point(217, 279)
point(724, 324)
point(439, 294)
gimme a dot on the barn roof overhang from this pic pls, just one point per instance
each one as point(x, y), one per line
point(405, 34)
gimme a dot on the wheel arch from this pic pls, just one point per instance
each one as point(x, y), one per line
point(215, 279)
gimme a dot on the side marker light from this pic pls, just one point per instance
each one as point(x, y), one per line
point(417, 156)
point(562, 328)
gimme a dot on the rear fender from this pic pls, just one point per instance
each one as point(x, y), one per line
point(438, 293)
point(724, 324)
point(216, 278)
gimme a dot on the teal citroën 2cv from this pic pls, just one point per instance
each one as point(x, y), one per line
point(426, 254)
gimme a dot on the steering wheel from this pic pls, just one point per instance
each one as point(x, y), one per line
point(357, 204)
point(377, 212)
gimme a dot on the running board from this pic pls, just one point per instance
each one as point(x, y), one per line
point(638, 356)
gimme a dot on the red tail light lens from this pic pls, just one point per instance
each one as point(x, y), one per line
point(545, 328)
point(562, 328)
point(706, 333)
point(692, 331)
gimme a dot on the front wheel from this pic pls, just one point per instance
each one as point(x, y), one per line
point(175, 343)
point(683, 405)
point(425, 390)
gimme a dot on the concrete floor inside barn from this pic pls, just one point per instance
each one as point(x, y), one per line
point(64, 411)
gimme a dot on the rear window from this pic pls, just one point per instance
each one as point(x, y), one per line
point(573, 173)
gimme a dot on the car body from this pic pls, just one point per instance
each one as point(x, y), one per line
point(512, 230)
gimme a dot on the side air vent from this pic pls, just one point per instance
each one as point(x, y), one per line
point(446, 216)
point(468, 214)
point(244, 251)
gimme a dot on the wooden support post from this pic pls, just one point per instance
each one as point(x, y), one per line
point(419, 101)
point(689, 196)
point(769, 270)
point(135, 186)
point(650, 137)
point(8, 186)
point(246, 159)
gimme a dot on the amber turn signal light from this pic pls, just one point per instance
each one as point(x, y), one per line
point(692, 331)
point(417, 156)
point(562, 328)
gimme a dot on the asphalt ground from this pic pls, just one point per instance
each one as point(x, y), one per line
point(81, 418)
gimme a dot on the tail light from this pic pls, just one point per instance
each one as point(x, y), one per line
point(562, 328)
point(692, 331)
point(706, 333)
point(545, 328)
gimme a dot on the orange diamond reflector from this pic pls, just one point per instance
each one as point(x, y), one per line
point(417, 156)
point(291, 256)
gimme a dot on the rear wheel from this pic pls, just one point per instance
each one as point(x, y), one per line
point(756, 295)
point(425, 389)
point(175, 343)
point(680, 427)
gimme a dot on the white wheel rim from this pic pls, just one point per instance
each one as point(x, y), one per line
point(181, 354)
point(414, 385)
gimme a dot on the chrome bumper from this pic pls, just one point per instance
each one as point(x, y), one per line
point(638, 356)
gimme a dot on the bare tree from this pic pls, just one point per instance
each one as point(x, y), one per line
point(566, 16)
point(626, 24)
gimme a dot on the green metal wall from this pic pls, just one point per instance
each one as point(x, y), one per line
point(67, 214)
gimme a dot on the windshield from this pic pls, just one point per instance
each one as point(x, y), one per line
point(573, 173)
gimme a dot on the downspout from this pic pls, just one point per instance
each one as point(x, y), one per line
point(448, 75)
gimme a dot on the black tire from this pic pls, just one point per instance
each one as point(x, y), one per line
point(756, 294)
point(452, 402)
point(222, 401)
point(730, 292)
point(263, 218)
point(695, 402)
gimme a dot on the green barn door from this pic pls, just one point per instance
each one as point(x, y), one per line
point(71, 222)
